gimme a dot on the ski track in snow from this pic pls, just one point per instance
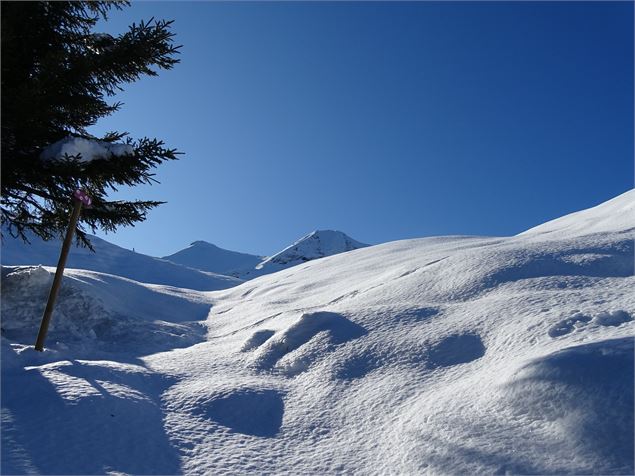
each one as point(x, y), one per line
point(451, 355)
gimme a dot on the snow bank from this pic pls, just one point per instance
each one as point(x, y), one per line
point(84, 150)
point(100, 312)
point(585, 392)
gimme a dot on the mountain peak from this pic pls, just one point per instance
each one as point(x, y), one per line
point(209, 257)
point(201, 243)
point(317, 244)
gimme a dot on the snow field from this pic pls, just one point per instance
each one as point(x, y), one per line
point(456, 384)
point(451, 355)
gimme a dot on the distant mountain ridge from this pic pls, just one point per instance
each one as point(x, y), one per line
point(317, 244)
point(209, 257)
point(112, 259)
point(202, 266)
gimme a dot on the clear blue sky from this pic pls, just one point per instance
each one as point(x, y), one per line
point(383, 120)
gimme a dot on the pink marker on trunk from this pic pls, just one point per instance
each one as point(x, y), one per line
point(83, 197)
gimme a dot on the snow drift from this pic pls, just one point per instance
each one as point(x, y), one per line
point(449, 355)
point(97, 311)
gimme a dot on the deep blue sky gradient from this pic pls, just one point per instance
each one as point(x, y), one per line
point(383, 120)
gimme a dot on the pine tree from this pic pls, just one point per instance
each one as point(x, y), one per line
point(57, 79)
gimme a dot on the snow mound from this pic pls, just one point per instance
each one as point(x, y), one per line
point(615, 215)
point(587, 392)
point(112, 259)
point(84, 150)
point(208, 257)
point(327, 328)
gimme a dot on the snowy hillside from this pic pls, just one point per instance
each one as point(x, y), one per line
point(208, 257)
point(102, 311)
point(317, 244)
point(112, 259)
point(612, 216)
point(448, 355)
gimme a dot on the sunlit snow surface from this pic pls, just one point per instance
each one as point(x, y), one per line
point(452, 355)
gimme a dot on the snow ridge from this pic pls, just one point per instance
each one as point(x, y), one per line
point(613, 216)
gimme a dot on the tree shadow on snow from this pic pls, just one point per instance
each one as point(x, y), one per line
point(83, 419)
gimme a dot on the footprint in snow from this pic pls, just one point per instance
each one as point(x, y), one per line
point(580, 321)
point(568, 325)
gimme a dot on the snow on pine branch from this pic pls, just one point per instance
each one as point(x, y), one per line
point(85, 150)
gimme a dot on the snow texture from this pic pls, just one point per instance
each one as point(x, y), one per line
point(447, 355)
point(84, 150)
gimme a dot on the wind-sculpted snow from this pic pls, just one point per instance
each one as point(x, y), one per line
point(314, 333)
point(450, 355)
point(580, 322)
point(587, 392)
point(85, 417)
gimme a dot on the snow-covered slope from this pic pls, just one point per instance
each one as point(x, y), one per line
point(317, 244)
point(613, 216)
point(98, 311)
point(89, 398)
point(112, 259)
point(450, 355)
point(208, 257)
